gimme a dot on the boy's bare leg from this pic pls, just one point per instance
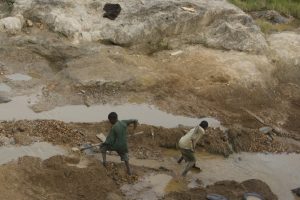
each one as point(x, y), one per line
point(128, 167)
point(188, 167)
point(104, 158)
point(180, 160)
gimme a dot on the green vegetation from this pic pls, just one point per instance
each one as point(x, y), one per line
point(287, 7)
point(267, 27)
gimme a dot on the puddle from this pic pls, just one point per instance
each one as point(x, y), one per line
point(281, 171)
point(18, 77)
point(4, 87)
point(41, 150)
point(150, 187)
point(18, 109)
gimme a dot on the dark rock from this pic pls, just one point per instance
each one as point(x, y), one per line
point(296, 191)
point(249, 195)
point(111, 11)
point(271, 15)
point(4, 99)
point(215, 197)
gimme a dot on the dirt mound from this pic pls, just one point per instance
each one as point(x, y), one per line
point(251, 140)
point(53, 179)
point(143, 145)
point(230, 189)
point(56, 132)
point(216, 141)
point(118, 173)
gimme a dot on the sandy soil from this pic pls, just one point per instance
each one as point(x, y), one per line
point(211, 83)
point(54, 178)
point(75, 134)
point(191, 80)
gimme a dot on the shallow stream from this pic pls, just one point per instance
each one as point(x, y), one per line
point(41, 150)
point(19, 109)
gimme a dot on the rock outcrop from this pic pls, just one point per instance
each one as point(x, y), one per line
point(11, 25)
point(149, 25)
point(284, 50)
point(286, 47)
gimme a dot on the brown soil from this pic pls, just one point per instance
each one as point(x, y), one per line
point(30, 178)
point(230, 189)
point(54, 179)
point(53, 131)
point(249, 140)
point(145, 144)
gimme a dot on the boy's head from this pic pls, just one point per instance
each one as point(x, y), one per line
point(204, 125)
point(112, 117)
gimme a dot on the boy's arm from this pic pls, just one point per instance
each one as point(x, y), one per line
point(193, 137)
point(131, 121)
point(193, 145)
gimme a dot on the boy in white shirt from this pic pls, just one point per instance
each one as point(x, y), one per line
point(187, 145)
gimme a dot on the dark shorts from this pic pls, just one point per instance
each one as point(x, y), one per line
point(123, 155)
point(188, 155)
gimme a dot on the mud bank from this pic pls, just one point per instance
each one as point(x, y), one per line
point(191, 59)
point(145, 137)
point(30, 178)
point(55, 179)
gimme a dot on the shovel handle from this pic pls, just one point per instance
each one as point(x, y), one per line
point(93, 145)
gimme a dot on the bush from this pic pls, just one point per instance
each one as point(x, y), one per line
point(267, 27)
point(287, 7)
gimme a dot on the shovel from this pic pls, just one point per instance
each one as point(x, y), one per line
point(89, 146)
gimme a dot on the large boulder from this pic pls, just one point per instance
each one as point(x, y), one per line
point(285, 47)
point(4, 99)
point(285, 52)
point(11, 24)
point(150, 25)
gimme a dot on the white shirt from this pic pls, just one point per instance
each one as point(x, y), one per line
point(194, 134)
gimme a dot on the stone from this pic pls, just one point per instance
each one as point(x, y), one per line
point(284, 51)
point(4, 99)
point(11, 24)
point(215, 197)
point(67, 26)
point(153, 25)
point(23, 139)
point(296, 191)
point(29, 23)
point(285, 47)
point(4, 141)
point(111, 11)
point(272, 16)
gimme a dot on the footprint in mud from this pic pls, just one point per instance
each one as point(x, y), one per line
point(153, 186)
point(119, 175)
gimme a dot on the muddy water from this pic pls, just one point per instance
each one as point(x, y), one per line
point(41, 150)
point(18, 108)
point(280, 171)
point(150, 187)
point(18, 77)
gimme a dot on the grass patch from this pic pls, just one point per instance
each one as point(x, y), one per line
point(267, 27)
point(287, 7)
